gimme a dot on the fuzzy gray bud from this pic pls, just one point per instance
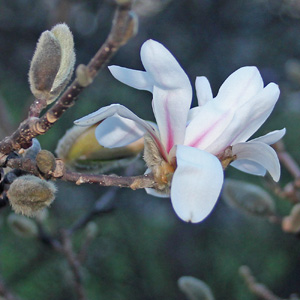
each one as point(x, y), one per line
point(29, 194)
point(45, 161)
point(248, 198)
point(194, 289)
point(52, 64)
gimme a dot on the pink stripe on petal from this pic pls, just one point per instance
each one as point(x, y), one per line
point(196, 142)
point(170, 135)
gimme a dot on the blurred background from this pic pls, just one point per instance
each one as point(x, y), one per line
point(142, 248)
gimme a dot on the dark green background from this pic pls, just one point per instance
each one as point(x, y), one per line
point(142, 248)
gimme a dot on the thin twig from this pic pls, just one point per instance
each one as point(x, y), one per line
point(122, 30)
point(133, 182)
point(290, 191)
point(287, 160)
point(74, 265)
point(256, 288)
point(102, 206)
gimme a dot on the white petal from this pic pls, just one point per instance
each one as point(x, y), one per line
point(203, 90)
point(247, 119)
point(249, 167)
point(156, 193)
point(239, 87)
point(271, 137)
point(260, 153)
point(193, 112)
point(240, 101)
point(137, 79)
point(118, 132)
point(172, 93)
point(171, 109)
point(120, 110)
point(196, 183)
point(256, 112)
point(163, 67)
point(208, 126)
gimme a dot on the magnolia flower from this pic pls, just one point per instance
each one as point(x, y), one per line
point(188, 148)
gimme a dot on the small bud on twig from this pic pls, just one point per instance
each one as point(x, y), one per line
point(29, 194)
point(83, 76)
point(45, 161)
point(52, 63)
point(248, 198)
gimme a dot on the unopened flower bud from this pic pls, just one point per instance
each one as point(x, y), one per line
point(29, 194)
point(79, 148)
point(52, 64)
point(291, 223)
point(194, 289)
point(248, 198)
point(45, 161)
point(22, 226)
point(83, 76)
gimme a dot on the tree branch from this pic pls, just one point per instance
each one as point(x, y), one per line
point(256, 288)
point(60, 172)
point(102, 206)
point(123, 29)
point(287, 160)
point(74, 264)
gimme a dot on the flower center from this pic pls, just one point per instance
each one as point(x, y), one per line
point(162, 170)
point(163, 173)
point(226, 157)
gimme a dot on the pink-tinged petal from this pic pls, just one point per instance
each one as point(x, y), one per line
point(193, 112)
point(253, 114)
point(196, 183)
point(259, 153)
point(137, 79)
point(120, 110)
point(208, 126)
point(118, 132)
point(203, 90)
point(171, 109)
point(247, 119)
point(249, 167)
point(271, 137)
point(163, 67)
point(239, 87)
